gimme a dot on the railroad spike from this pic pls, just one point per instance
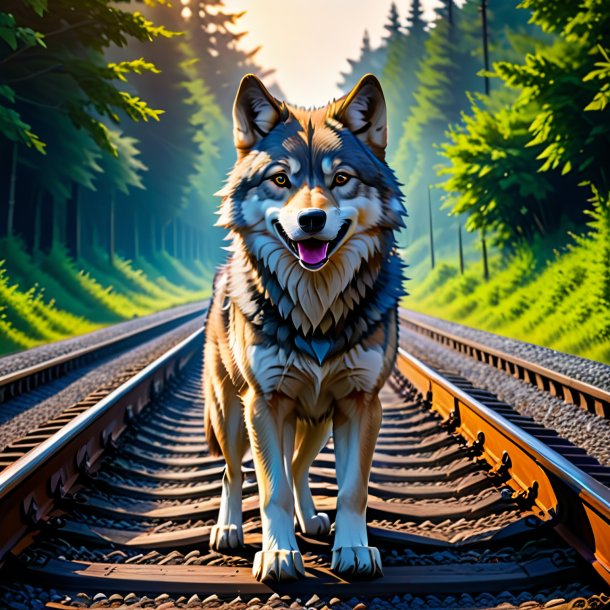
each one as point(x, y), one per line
point(84, 463)
point(31, 511)
point(525, 498)
point(56, 486)
point(129, 414)
point(452, 422)
point(108, 440)
point(500, 472)
point(476, 447)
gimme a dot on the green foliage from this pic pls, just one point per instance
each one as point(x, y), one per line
point(601, 73)
point(209, 127)
point(446, 71)
point(122, 171)
point(562, 303)
point(53, 56)
point(490, 171)
point(554, 123)
point(102, 294)
point(566, 81)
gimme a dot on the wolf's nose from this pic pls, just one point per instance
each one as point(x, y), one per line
point(312, 221)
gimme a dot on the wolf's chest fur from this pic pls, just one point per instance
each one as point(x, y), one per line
point(314, 366)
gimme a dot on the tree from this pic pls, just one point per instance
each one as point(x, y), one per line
point(120, 174)
point(215, 36)
point(372, 60)
point(58, 94)
point(490, 174)
point(569, 80)
point(404, 53)
point(555, 122)
point(54, 56)
point(438, 103)
point(209, 128)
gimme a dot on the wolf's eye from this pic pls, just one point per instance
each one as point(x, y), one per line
point(281, 180)
point(340, 179)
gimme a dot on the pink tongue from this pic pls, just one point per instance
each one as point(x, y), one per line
point(312, 251)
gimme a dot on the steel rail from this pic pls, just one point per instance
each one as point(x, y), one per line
point(30, 486)
point(585, 395)
point(26, 379)
point(577, 504)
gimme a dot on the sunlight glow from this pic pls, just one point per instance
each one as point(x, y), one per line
point(308, 42)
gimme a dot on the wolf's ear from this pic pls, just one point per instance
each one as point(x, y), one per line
point(255, 113)
point(363, 111)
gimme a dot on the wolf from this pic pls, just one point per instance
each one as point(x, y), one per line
point(302, 331)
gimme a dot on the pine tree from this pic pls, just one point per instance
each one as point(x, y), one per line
point(392, 27)
point(570, 80)
point(372, 60)
point(214, 36)
point(447, 71)
point(209, 128)
point(399, 79)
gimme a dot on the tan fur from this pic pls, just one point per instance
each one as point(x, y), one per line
point(280, 400)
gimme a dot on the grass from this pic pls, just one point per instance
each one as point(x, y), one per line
point(48, 297)
point(559, 299)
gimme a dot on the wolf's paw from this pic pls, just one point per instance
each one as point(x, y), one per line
point(318, 525)
point(357, 562)
point(276, 566)
point(224, 537)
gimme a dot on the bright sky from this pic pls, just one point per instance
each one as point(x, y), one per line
point(308, 41)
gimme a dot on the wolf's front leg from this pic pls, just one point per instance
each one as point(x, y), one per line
point(310, 439)
point(271, 430)
point(230, 434)
point(355, 428)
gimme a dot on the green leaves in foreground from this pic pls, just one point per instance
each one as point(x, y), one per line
point(52, 57)
point(558, 124)
point(490, 175)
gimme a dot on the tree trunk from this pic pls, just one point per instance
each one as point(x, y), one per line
point(47, 223)
point(485, 43)
point(10, 217)
point(174, 239)
point(432, 262)
point(152, 246)
point(111, 235)
point(59, 211)
point(485, 262)
point(37, 221)
point(461, 249)
point(73, 228)
point(136, 236)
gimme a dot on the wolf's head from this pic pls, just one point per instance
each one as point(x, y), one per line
point(311, 181)
point(311, 207)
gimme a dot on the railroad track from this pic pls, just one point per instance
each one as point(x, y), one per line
point(27, 379)
point(470, 504)
point(585, 395)
point(24, 390)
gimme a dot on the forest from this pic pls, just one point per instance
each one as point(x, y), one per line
point(115, 133)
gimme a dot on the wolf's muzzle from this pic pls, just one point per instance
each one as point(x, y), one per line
point(312, 221)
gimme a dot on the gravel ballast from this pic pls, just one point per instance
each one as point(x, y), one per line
point(587, 371)
point(110, 373)
point(31, 357)
point(583, 429)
